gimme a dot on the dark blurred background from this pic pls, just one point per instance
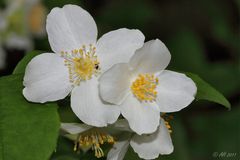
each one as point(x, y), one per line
point(203, 37)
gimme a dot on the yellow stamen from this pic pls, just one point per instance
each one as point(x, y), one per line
point(93, 139)
point(144, 87)
point(168, 126)
point(82, 64)
point(167, 118)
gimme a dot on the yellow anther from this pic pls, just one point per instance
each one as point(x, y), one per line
point(82, 64)
point(166, 118)
point(93, 138)
point(144, 87)
point(75, 51)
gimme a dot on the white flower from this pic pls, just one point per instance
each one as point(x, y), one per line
point(16, 41)
point(143, 89)
point(88, 137)
point(21, 20)
point(146, 146)
point(77, 63)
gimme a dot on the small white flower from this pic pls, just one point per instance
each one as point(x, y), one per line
point(77, 63)
point(143, 89)
point(87, 137)
point(146, 146)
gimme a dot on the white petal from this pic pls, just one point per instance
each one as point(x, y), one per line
point(74, 128)
point(142, 117)
point(175, 91)
point(46, 79)
point(118, 46)
point(118, 151)
point(19, 42)
point(121, 125)
point(115, 83)
point(150, 146)
point(152, 57)
point(69, 28)
point(87, 105)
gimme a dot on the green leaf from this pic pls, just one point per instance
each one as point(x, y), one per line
point(64, 150)
point(27, 130)
point(65, 112)
point(131, 155)
point(206, 92)
point(20, 68)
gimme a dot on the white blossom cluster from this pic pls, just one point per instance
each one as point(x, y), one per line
point(116, 74)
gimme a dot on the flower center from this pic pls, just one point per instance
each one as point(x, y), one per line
point(93, 139)
point(144, 87)
point(82, 64)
